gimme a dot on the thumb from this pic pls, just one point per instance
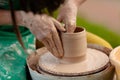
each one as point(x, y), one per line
point(58, 25)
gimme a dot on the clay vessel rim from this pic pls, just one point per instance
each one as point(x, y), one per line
point(81, 30)
point(42, 50)
point(74, 74)
point(47, 71)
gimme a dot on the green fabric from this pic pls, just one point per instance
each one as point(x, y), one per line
point(12, 55)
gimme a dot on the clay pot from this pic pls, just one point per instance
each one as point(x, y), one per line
point(74, 45)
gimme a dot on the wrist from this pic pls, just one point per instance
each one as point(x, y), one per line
point(72, 2)
point(77, 3)
point(19, 18)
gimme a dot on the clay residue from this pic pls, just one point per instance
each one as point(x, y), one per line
point(33, 59)
point(95, 60)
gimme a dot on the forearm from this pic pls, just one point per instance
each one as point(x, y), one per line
point(77, 3)
point(5, 17)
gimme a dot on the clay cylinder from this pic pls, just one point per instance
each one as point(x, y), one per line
point(74, 45)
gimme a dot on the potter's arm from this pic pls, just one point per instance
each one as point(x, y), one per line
point(5, 17)
point(76, 2)
point(42, 26)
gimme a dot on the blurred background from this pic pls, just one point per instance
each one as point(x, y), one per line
point(101, 17)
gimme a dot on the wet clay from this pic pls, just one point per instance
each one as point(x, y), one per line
point(77, 57)
point(94, 60)
point(74, 45)
point(36, 74)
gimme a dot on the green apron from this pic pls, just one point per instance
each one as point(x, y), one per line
point(12, 55)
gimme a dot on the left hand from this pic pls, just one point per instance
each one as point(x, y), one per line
point(45, 29)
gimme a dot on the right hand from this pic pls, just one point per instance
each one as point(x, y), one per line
point(68, 13)
point(45, 29)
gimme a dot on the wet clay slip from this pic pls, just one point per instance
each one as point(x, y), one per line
point(81, 61)
point(74, 45)
point(76, 54)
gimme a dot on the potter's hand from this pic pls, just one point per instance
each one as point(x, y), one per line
point(45, 29)
point(68, 13)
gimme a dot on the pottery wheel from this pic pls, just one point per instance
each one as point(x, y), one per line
point(95, 61)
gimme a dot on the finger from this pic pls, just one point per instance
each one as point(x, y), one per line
point(53, 47)
point(57, 42)
point(45, 42)
point(58, 25)
point(70, 28)
point(70, 24)
point(49, 44)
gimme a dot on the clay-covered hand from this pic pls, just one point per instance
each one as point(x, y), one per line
point(68, 13)
point(45, 29)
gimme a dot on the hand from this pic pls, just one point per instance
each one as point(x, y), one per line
point(68, 14)
point(45, 29)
